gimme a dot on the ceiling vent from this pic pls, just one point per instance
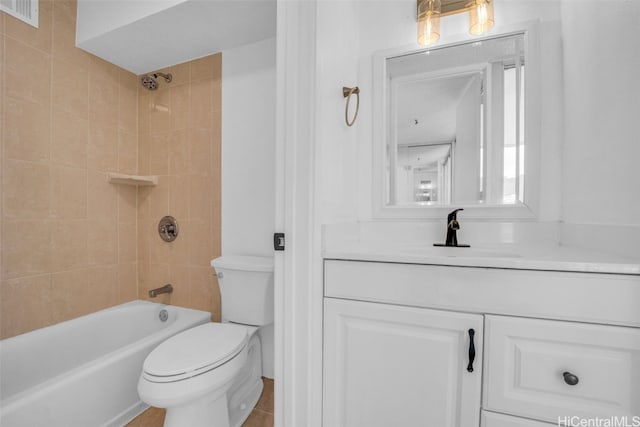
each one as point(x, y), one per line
point(24, 10)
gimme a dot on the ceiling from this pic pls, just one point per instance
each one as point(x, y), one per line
point(145, 35)
point(426, 111)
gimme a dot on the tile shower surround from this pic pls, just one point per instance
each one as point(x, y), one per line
point(71, 242)
point(179, 139)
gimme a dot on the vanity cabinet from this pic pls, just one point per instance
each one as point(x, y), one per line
point(387, 365)
point(548, 345)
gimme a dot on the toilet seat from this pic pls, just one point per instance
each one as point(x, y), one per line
point(194, 352)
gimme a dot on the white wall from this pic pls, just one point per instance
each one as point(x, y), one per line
point(98, 17)
point(248, 148)
point(146, 35)
point(590, 103)
point(337, 148)
point(602, 99)
point(380, 25)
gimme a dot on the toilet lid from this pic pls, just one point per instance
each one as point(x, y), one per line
point(194, 351)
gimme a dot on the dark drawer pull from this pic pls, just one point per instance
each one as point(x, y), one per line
point(570, 379)
point(472, 350)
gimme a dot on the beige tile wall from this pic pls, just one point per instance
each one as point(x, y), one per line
point(71, 242)
point(68, 118)
point(179, 140)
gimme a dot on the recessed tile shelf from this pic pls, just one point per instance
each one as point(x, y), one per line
point(125, 179)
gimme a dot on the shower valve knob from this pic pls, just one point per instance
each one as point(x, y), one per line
point(168, 229)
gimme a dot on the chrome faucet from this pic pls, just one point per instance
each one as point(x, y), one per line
point(166, 289)
point(452, 227)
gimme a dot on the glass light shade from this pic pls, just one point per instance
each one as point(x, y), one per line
point(481, 16)
point(428, 21)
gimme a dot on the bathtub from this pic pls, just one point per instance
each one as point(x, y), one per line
point(84, 372)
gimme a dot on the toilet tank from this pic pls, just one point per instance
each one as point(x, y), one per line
point(246, 288)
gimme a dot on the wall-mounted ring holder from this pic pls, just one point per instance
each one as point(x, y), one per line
point(168, 228)
point(347, 92)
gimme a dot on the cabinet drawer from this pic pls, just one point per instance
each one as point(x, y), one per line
point(530, 364)
point(491, 419)
point(536, 294)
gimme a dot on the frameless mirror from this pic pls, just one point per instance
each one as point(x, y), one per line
point(454, 124)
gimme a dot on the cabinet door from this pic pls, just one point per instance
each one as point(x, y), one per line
point(387, 365)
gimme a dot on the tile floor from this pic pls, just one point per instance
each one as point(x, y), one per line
point(261, 416)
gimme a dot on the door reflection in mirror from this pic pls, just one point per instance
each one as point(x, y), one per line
point(424, 173)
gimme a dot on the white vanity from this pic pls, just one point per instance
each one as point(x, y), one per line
point(553, 339)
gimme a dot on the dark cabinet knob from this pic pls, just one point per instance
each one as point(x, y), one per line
point(570, 379)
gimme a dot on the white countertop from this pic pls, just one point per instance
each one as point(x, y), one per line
point(556, 258)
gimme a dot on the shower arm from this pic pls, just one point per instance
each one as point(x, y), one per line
point(167, 77)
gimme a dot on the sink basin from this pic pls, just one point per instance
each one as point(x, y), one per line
point(454, 252)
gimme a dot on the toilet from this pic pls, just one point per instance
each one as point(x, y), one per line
point(210, 375)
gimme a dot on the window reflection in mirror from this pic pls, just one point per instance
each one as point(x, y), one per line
point(513, 176)
point(455, 121)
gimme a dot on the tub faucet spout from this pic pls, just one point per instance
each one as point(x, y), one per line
point(166, 289)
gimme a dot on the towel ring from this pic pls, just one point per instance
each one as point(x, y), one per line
point(347, 92)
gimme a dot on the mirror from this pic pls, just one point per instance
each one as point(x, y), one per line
point(453, 124)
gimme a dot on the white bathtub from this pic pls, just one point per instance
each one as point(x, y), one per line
point(84, 372)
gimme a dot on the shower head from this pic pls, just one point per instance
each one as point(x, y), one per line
point(150, 81)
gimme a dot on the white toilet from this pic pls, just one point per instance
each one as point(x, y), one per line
point(210, 375)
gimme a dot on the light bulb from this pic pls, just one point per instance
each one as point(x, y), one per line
point(481, 17)
point(428, 21)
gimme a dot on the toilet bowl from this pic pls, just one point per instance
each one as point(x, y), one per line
point(210, 375)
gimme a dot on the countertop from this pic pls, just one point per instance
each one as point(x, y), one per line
point(555, 258)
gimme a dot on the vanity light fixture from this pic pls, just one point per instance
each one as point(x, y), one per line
point(429, 12)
